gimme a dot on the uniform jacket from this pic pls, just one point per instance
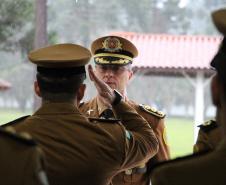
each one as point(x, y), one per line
point(209, 136)
point(205, 169)
point(94, 108)
point(82, 152)
point(21, 160)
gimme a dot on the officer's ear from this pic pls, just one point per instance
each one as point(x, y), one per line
point(130, 71)
point(37, 89)
point(130, 74)
point(81, 92)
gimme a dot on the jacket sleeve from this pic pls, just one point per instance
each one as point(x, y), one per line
point(160, 132)
point(140, 141)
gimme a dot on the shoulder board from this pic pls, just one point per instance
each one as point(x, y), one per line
point(179, 159)
point(81, 104)
point(15, 121)
point(103, 120)
point(21, 137)
point(152, 111)
point(208, 125)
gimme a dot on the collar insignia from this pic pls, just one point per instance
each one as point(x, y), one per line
point(89, 111)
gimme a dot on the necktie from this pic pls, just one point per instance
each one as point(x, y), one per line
point(107, 114)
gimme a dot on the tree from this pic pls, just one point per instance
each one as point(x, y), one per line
point(14, 15)
point(41, 38)
point(200, 17)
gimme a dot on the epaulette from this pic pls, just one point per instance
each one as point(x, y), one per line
point(22, 137)
point(177, 160)
point(15, 121)
point(152, 111)
point(97, 120)
point(208, 125)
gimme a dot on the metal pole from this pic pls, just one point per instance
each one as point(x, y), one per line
point(199, 102)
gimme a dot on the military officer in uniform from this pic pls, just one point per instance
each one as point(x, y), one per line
point(208, 168)
point(113, 57)
point(21, 159)
point(209, 136)
point(79, 150)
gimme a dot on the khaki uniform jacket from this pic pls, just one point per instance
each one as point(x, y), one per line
point(21, 160)
point(209, 137)
point(205, 169)
point(82, 152)
point(93, 108)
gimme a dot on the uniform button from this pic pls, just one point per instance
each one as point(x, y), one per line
point(129, 171)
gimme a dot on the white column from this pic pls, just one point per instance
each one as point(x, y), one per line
point(199, 102)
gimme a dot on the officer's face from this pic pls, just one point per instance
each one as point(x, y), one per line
point(116, 76)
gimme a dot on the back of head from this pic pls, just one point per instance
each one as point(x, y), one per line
point(60, 70)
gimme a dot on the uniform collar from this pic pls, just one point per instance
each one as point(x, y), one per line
point(96, 107)
point(57, 108)
point(100, 106)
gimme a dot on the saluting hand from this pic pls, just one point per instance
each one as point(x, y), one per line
point(4, 85)
point(105, 92)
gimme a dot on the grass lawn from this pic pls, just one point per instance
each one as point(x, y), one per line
point(179, 132)
point(180, 136)
point(9, 115)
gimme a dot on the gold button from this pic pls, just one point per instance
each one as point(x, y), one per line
point(129, 171)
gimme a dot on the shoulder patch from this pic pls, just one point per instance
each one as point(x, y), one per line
point(208, 125)
point(103, 120)
point(11, 123)
point(152, 111)
point(22, 137)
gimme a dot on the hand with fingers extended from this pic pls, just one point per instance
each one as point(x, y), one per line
point(105, 92)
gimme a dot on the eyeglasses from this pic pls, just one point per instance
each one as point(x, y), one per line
point(116, 69)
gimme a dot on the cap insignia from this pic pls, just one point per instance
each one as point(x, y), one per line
point(112, 44)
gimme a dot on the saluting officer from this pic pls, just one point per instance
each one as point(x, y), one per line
point(21, 159)
point(113, 57)
point(209, 136)
point(79, 150)
point(208, 168)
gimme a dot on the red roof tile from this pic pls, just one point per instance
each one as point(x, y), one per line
point(173, 51)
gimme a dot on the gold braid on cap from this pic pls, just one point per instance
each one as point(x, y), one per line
point(112, 44)
point(103, 61)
